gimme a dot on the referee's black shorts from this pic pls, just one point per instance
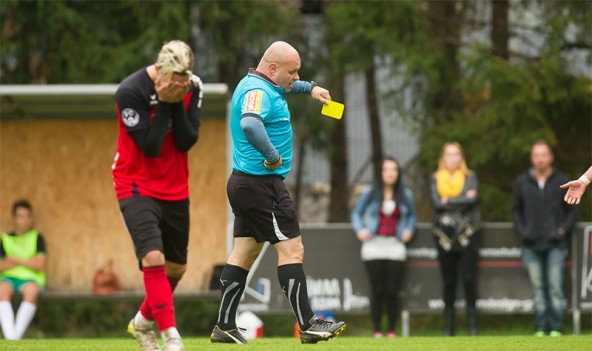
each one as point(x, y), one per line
point(159, 225)
point(262, 208)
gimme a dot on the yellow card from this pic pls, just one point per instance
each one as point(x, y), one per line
point(333, 110)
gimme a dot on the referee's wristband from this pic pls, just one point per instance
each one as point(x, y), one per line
point(585, 180)
point(313, 84)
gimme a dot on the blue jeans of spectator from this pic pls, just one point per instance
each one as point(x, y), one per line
point(546, 273)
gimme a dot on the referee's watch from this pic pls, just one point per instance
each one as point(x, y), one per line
point(313, 84)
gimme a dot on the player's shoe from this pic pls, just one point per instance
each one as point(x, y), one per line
point(146, 337)
point(172, 340)
point(321, 330)
point(174, 344)
point(232, 336)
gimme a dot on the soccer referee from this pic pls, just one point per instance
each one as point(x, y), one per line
point(158, 110)
point(263, 210)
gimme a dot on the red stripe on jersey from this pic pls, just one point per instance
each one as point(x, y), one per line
point(187, 99)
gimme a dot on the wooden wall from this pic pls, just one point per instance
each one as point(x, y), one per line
point(64, 169)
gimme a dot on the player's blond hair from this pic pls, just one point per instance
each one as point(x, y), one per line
point(175, 57)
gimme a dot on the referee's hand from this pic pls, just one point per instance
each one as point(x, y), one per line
point(321, 95)
point(275, 165)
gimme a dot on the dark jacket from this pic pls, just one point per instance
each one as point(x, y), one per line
point(456, 221)
point(539, 213)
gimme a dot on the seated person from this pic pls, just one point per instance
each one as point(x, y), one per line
point(22, 270)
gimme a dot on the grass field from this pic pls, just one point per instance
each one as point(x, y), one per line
point(501, 343)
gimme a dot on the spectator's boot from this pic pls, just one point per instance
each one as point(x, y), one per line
point(472, 320)
point(449, 320)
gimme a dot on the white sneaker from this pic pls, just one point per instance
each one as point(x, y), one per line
point(172, 340)
point(174, 344)
point(146, 337)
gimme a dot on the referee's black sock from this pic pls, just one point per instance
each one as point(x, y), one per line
point(293, 283)
point(232, 281)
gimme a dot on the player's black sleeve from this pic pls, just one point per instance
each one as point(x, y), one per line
point(148, 136)
point(40, 244)
point(2, 252)
point(186, 124)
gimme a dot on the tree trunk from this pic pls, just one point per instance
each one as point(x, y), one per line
point(499, 28)
point(374, 119)
point(299, 171)
point(232, 51)
point(339, 195)
point(444, 21)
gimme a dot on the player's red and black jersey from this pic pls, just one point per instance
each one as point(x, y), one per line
point(154, 138)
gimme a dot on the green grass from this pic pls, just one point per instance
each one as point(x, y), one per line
point(499, 343)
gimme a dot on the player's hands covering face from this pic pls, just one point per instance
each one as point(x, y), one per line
point(171, 90)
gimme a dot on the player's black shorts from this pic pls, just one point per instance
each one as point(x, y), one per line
point(262, 208)
point(158, 225)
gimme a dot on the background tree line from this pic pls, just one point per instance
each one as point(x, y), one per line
point(458, 76)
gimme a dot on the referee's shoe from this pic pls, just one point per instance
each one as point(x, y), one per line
point(232, 336)
point(321, 330)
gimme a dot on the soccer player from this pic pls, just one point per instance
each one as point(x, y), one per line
point(158, 109)
point(577, 188)
point(262, 156)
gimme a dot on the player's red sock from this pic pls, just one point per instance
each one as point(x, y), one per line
point(159, 296)
point(145, 308)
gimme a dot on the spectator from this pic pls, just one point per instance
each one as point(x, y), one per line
point(384, 221)
point(22, 270)
point(454, 193)
point(543, 221)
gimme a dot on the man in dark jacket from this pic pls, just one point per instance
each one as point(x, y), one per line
point(544, 221)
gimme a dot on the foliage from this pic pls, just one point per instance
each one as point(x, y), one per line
point(85, 41)
point(447, 81)
point(497, 108)
point(240, 31)
point(507, 108)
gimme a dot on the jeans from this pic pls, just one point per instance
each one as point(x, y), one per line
point(546, 273)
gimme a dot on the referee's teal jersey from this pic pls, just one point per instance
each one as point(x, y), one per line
point(257, 96)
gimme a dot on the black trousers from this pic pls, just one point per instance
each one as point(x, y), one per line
point(461, 262)
point(386, 277)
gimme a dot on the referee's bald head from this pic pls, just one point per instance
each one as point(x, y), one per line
point(279, 52)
